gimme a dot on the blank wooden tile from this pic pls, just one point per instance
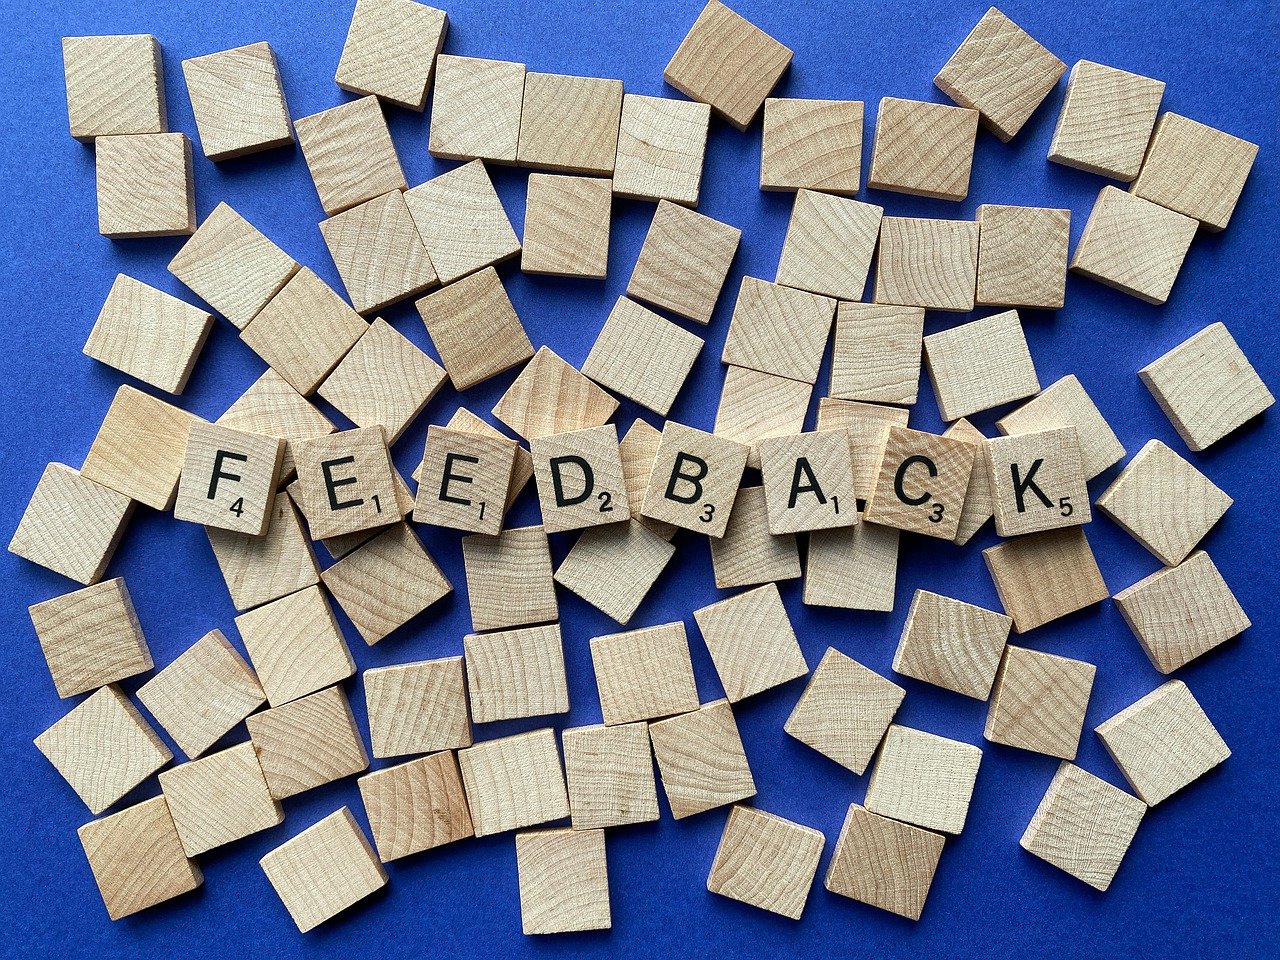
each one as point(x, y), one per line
point(1037, 481)
point(103, 748)
point(644, 674)
point(884, 863)
point(829, 244)
point(258, 570)
point(852, 568)
point(1063, 404)
point(273, 408)
point(977, 508)
point(514, 782)
point(509, 579)
point(755, 405)
point(203, 694)
point(564, 881)
point(566, 226)
point(513, 674)
point(579, 477)
point(1039, 702)
point(145, 186)
point(324, 870)
point(751, 642)
point(569, 124)
point(778, 330)
point(638, 448)
point(980, 364)
point(661, 143)
point(71, 524)
point(346, 481)
point(238, 101)
point(1083, 826)
point(1164, 502)
point(115, 85)
point(923, 148)
point(308, 743)
point(1196, 170)
point(416, 806)
point(868, 428)
point(464, 479)
point(378, 252)
point(1133, 245)
point(219, 799)
point(1207, 387)
point(923, 779)
point(927, 263)
point(701, 760)
point(550, 396)
point(349, 152)
point(808, 481)
point(610, 775)
point(812, 145)
point(476, 108)
point(1044, 576)
point(748, 553)
point(391, 49)
point(921, 483)
point(728, 62)
point(1163, 742)
point(877, 353)
point(695, 479)
point(642, 356)
point(951, 644)
point(844, 711)
point(1106, 120)
point(614, 567)
point(148, 334)
point(683, 262)
point(229, 479)
point(462, 222)
point(475, 328)
point(137, 859)
point(1002, 72)
point(766, 861)
point(90, 637)
point(417, 707)
point(1022, 256)
point(295, 645)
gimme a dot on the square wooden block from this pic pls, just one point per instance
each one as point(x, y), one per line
point(977, 499)
point(923, 148)
point(1002, 72)
point(766, 861)
point(852, 568)
point(145, 185)
point(844, 711)
point(868, 427)
point(610, 774)
point(475, 328)
point(1039, 702)
point(295, 645)
point(701, 760)
point(695, 479)
point(1164, 502)
point(661, 143)
point(613, 567)
point(464, 421)
point(921, 483)
point(115, 85)
point(462, 222)
point(273, 408)
point(884, 863)
point(1022, 256)
point(564, 881)
point(417, 707)
point(566, 226)
point(514, 782)
point(90, 637)
point(513, 674)
point(350, 154)
point(751, 642)
point(378, 252)
point(779, 330)
point(509, 579)
point(229, 479)
point(1207, 387)
point(812, 145)
point(463, 480)
point(219, 799)
point(1037, 481)
point(808, 481)
point(551, 396)
point(476, 109)
point(238, 101)
point(980, 364)
point(579, 477)
point(1044, 576)
point(642, 356)
point(103, 748)
point(952, 644)
point(637, 449)
point(1133, 245)
point(307, 743)
point(1106, 120)
point(927, 263)
point(391, 49)
point(569, 124)
point(1067, 404)
point(258, 570)
point(748, 553)
point(1083, 826)
point(346, 482)
point(683, 262)
point(416, 806)
point(923, 779)
point(829, 244)
point(755, 405)
point(876, 356)
point(644, 674)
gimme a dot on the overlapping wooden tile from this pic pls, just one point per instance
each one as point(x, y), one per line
point(829, 243)
point(868, 427)
point(350, 154)
point(115, 85)
point(569, 124)
point(416, 806)
point(346, 482)
point(475, 328)
point(923, 148)
point(579, 477)
point(642, 356)
point(1039, 702)
point(812, 145)
point(1038, 481)
point(1106, 120)
point(219, 799)
point(379, 255)
point(273, 408)
point(927, 263)
point(808, 481)
point(779, 330)
point(921, 483)
point(695, 479)
point(755, 405)
point(852, 568)
point(923, 779)
point(391, 49)
point(644, 674)
point(610, 775)
point(417, 707)
point(229, 479)
point(145, 185)
point(980, 364)
point(766, 861)
point(258, 570)
point(977, 508)
point(90, 637)
point(307, 743)
point(1063, 404)
point(550, 396)
point(683, 262)
point(614, 567)
point(638, 448)
point(295, 645)
point(509, 579)
point(514, 782)
point(701, 760)
point(464, 479)
point(238, 101)
point(951, 644)
point(1044, 576)
point(748, 554)
point(461, 221)
point(876, 356)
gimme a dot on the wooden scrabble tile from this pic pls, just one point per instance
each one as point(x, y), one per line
point(1196, 170)
point(513, 674)
point(1002, 72)
point(219, 799)
point(661, 143)
point(324, 870)
point(476, 108)
point(145, 185)
point(877, 353)
point(637, 449)
point(1164, 502)
point(564, 881)
point(868, 428)
point(202, 694)
point(509, 579)
point(884, 863)
point(812, 145)
point(927, 263)
point(238, 101)
point(308, 742)
point(751, 642)
point(951, 644)
point(728, 62)
point(695, 479)
point(350, 154)
point(464, 421)
point(416, 806)
point(579, 477)
point(295, 645)
point(1133, 245)
point(90, 637)
point(569, 124)
point(808, 481)
point(1045, 576)
point(683, 262)
point(1106, 120)
point(1037, 481)
point(701, 760)
point(923, 148)
point(378, 252)
point(566, 226)
point(514, 782)
point(273, 408)
point(390, 50)
point(755, 405)
point(258, 570)
point(644, 674)
point(852, 568)
point(475, 328)
point(1022, 256)
point(1083, 826)
point(642, 356)
point(779, 330)
point(417, 707)
point(229, 479)
point(977, 498)
point(103, 748)
point(462, 222)
point(748, 553)
point(766, 861)
point(980, 364)
point(1039, 702)
point(923, 779)
point(844, 711)
point(1064, 404)
point(115, 85)
point(614, 567)
point(829, 244)
point(550, 396)
point(1207, 387)
point(1163, 742)
point(464, 479)
point(342, 544)
point(71, 524)
point(921, 483)
point(137, 859)
point(610, 774)
point(347, 482)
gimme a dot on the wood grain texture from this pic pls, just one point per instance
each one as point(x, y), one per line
point(923, 148)
point(513, 674)
point(610, 775)
point(566, 226)
point(868, 428)
point(755, 405)
point(350, 154)
point(417, 707)
point(852, 568)
point(752, 642)
point(378, 252)
point(391, 49)
point(977, 508)
point(927, 263)
point(464, 479)
point(416, 806)
point(808, 481)
point(951, 644)
point(685, 494)
point(642, 356)
point(115, 85)
point(1106, 120)
point(1039, 702)
point(514, 782)
point(1059, 478)
point(923, 779)
point(1022, 256)
point(812, 145)
point(921, 483)
point(475, 328)
point(569, 124)
point(346, 482)
point(273, 408)
point(90, 637)
point(980, 364)
point(779, 330)
point(644, 674)
point(1066, 403)
point(638, 448)
point(876, 356)
point(661, 143)
point(238, 101)
point(307, 743)
point(295, 645)
point(258, 570)
point(342, 544)
point(829, 244)
point(463, 420)
point(462, 222)
point(1044, 576)
point(476, 108)
point(564, 881)
point(509, 579)
point(766, 861)
point(579, 478)
point(219, 799)
point(748, 554)
point(701, 760)
point(229, 479)
point(146, 187)
point(614, 567)
point(684, 261)
point(550, 396)
point(884, 863)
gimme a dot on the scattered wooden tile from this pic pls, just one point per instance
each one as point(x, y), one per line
point(829, 244)
point(229, 479)
point(1037, 481)
point(464, 421)
point(475, 112)
point(509, 579)
point(748, 554)
point(852, 568)
point(923, 779)
point(980, 364)
point(1044, 576)
point(417, 707)
point(812, 145)
point(751, 642)
point(766, 861)
point(390, 50)
point(694, 480)
point(347, 482)
point(461, 221)
point(90, 637)
point(613, 567)
point(145, 186)
point(464, 479)
point(1207, 387)
point(661, 143)
point(1106, 120)
point(844, 711)
point(884, 863)
point(923, 148)
point(550, 396)
point(103, 748)
point(308, 742)
point(475, 328)
point(778, 330)
point(727, 62)
point(1022, 256)
point(219, 799)
point(951, 644)
point(115, 85)
point(349, 152)
point(1063, 404)
point(273, 408)
point(637, 449)
point(564, 881)
point(566, 226)
point(342, 544)
point(610, 774)
point(644, 674)
point(1039, 702)
point(921, 483)
point(755, 405)
point(642, 356)
point(238, 101)
point(808, 481)
point(513, 674)
point(876, 356)
point(701, 760)
point(683, 262)
point(295, 645)
point(258, 570)
point(514, 782)
point(977, 508)
point(868, 428)
point(579, 477)
point(569, 124)
point(927, 263)
point(378, 252)
point(416, 806)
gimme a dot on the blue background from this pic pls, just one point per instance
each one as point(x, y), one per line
point(1200, 878)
